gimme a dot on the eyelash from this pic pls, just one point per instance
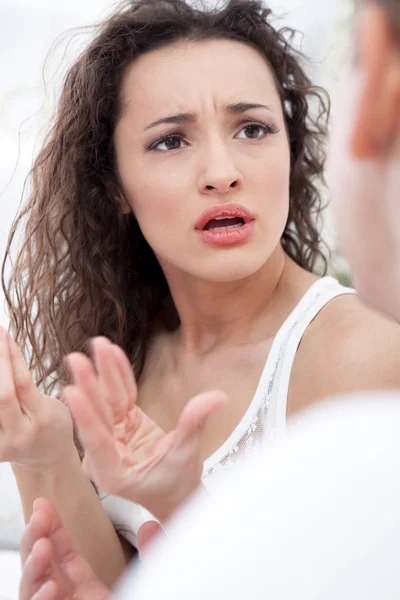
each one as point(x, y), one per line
point(268, 129)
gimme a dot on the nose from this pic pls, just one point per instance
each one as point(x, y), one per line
point(219, 174)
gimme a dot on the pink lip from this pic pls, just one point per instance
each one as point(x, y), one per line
point(228, 210)
point(229, 236)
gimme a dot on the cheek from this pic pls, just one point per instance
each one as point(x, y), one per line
point(156, 201)
point(153, 193)
point(273, 183)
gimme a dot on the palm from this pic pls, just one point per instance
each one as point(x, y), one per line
point(140, 444)
point(126, 452)
point(35, 430)
point(135, 448)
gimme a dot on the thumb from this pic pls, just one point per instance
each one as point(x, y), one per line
point(146, 533)
point(195, 414)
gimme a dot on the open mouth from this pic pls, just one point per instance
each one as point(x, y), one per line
point(224, 223)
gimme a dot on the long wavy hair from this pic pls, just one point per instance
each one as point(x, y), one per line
point(83, 268)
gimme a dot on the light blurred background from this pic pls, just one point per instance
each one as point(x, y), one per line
point(27, 91)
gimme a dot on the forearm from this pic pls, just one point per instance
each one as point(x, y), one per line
point(81, 511)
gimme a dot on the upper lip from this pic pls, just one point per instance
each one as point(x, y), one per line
point(227, 210)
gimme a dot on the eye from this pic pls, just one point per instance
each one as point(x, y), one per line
point(167, 143)
point(256, 131)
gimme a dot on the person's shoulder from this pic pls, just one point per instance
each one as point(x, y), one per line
point(347, 348)
point(355, 332)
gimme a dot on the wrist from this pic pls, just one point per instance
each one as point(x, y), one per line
point(163, 512)
point(59, 481)
point(68, 461)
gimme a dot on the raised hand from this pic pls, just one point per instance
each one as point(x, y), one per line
point(53, 569)
point(35, 430)
point(126, 453)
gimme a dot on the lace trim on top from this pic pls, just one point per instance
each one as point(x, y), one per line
point(256, 417)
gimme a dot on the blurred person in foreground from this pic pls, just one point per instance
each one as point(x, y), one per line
point(320, 517)
point(364, 162)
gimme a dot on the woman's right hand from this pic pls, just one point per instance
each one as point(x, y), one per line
point(126, 453)
point(35, 430)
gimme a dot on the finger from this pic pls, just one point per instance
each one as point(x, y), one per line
point(109, 373)
point(38, 527)
point(57, 550)
point(36, 569)
point(146, 533)
point(10, 410)
point(85, 377)
point(62, 553)
point(195, 414)
point(97, 439)
point(48, 591)
point(127, 374)
point(26, 391)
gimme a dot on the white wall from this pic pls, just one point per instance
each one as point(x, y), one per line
point(27, 30)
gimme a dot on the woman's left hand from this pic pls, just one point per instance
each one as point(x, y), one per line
point(126, 453)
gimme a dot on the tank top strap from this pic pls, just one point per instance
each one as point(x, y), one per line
point(288, 340)
point(266, 414)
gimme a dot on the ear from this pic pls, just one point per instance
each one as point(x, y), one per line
point(116, 191)
point(377, 116)
point(123, 204)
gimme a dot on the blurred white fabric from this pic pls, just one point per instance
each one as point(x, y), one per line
point(317, 516)
point(10, 571)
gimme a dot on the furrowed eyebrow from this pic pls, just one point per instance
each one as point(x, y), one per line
point(180, 118)
point(241, 107)
point(177, 119)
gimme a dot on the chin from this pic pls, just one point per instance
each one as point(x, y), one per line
point(230, 270)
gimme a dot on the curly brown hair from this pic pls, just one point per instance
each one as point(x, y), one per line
point(84, 268)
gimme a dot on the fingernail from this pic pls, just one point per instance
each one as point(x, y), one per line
point(40, 593)
point(36, 503)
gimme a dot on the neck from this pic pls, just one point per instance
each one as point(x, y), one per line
point(215, 314)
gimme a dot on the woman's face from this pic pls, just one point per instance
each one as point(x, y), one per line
point(203, 157)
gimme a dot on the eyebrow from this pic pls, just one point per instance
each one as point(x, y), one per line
point(178, 119)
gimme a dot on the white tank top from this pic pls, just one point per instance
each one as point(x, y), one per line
point(265, 416)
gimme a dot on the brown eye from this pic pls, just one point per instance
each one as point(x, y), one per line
point(257, 131)
point(172, 142)
point(253, 131)
point(167, 143)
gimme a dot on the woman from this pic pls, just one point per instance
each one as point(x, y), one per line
point(172, 211)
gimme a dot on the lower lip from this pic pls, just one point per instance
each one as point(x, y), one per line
point(227, 237)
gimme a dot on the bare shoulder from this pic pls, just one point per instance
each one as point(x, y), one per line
point(347, 348)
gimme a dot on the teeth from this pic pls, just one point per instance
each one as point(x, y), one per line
point(227, 227)
point(222, 218)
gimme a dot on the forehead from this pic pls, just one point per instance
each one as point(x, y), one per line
point(186, 75)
